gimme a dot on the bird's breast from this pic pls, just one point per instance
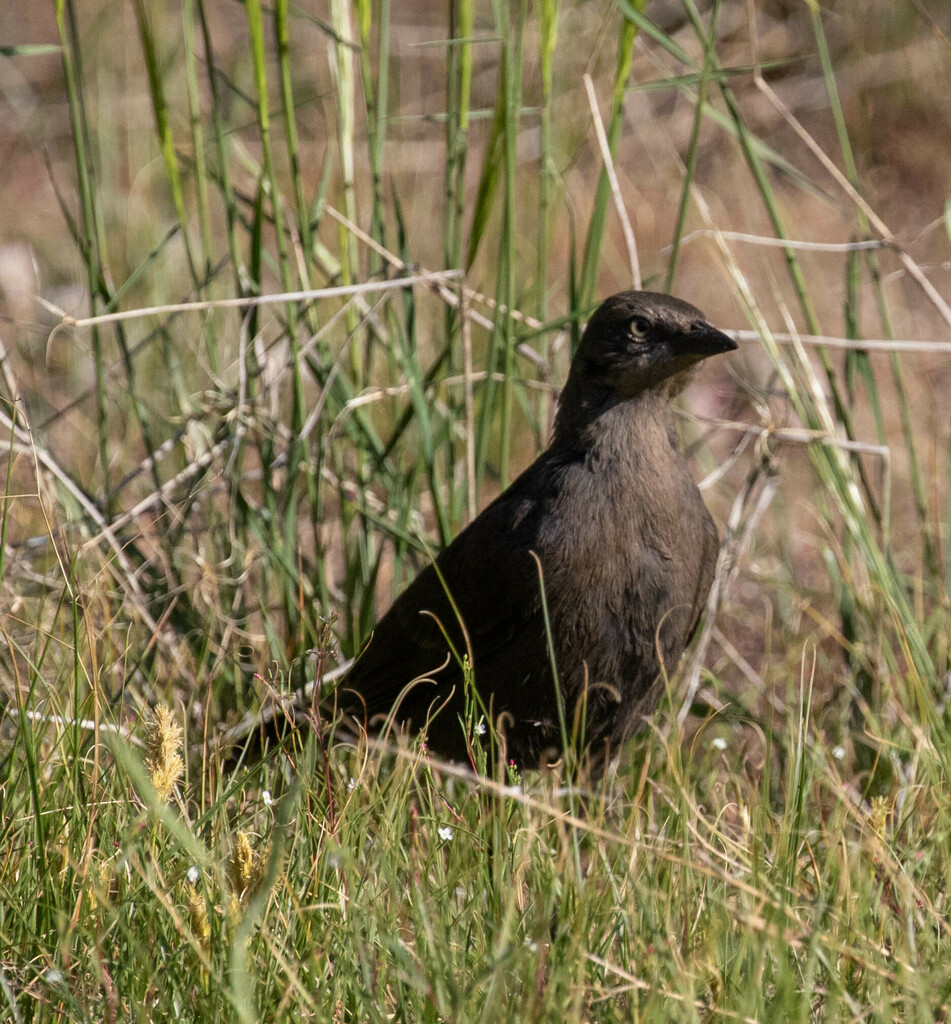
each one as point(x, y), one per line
point(625, 548)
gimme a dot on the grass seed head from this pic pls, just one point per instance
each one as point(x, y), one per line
point(198, 915)
point(246, 867)
point(164, 761)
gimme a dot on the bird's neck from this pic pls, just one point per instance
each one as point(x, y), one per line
point(590, 415)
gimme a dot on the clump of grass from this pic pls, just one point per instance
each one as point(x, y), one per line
point(406, 886)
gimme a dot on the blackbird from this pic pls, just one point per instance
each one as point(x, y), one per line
point(624, 548)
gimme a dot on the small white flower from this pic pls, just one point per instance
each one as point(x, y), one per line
point(193, 874)
point(838, 753)
point(480, 728)
point(720, 743)
point(267, 798)
point(445, 832)
point(52, 977)
point(352, 785)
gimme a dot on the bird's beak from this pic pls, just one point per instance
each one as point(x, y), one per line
point(702, 340)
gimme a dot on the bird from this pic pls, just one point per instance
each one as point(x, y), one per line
point(572, 596)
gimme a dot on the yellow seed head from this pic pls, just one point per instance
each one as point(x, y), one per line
point(879, 815)
point(100, 883)
point(198, 915)
point(164, 761)
point(246, 867)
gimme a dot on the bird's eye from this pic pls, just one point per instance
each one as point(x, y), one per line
point(638, 327)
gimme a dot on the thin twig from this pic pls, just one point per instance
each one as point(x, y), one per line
point(783, 243)
point(795, 435)
point(852, 344)
point(308, 295)
point(86, 724)
point(629, 240)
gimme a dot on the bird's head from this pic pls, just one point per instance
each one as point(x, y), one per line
point(637, 341)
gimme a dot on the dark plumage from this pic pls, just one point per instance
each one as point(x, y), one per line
point(625, 543)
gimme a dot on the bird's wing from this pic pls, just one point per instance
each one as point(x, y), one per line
point(493, 582)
